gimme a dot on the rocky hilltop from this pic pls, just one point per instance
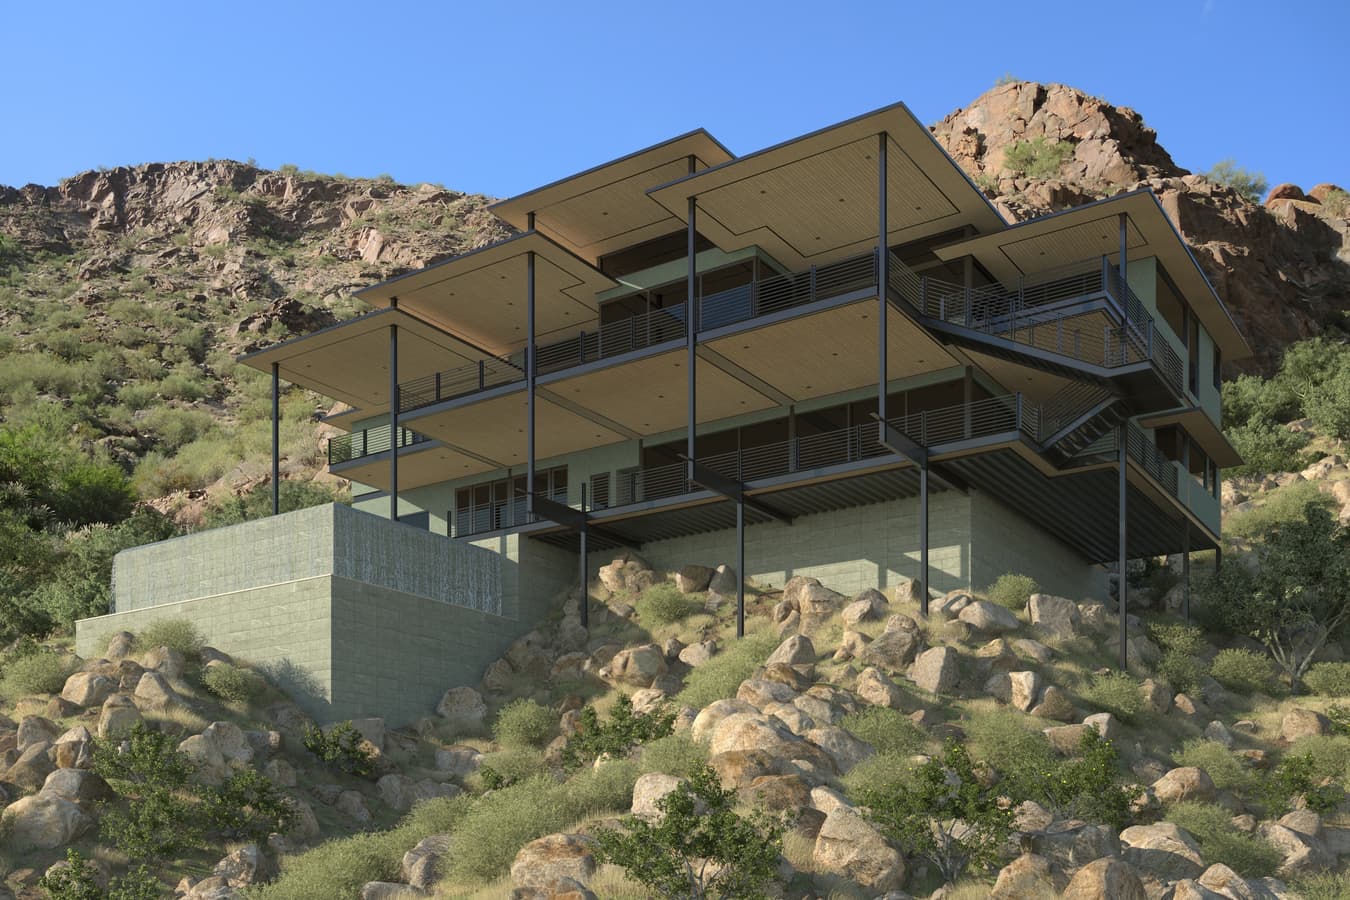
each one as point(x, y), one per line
point(1282, 267)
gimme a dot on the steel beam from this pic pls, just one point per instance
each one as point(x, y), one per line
point(900, 443)
point(276, 438)
point(574, 519)
point(731, 489)
point(1122, 581)
point(393, 423)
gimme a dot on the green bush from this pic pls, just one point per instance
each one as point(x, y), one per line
point(247, 807)
point(721, 676)
point(1248, 183)
point(1009, 741)
point(887, 730)
point(41, 672)
point(1118, 694)
point(523, 723)
point(1323, 886)
point(1186, 639)
point(675, 754)
point(1329, 755)
point(341, 747)
point(1084, 786)
point(662, 604)
point(615, 736)
point(1298, 776)
point(231, 683)
point(1220, 843)
point(1181, 646)
point(507, 767)
point(1246, 672)
point(1012, 591)
point(1037, 158)
point(1224, 767)
point(1330, 679)
point(1267, 448)
point(176, 634)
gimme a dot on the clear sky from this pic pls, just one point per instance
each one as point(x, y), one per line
point(499, 97)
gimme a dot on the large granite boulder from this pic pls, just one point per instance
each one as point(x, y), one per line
point(1105, 879)
point(547, 859)
point(896, 647)
point(848, 846)
point(464, 709)
point(936, 670)
point(1053, 615)
point(88, 689)
point(45, 821)
point(988, 618)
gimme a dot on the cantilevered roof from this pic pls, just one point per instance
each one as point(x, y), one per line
point(1208, 436)
point(481, 295)
point(1092, 231)
point(607, 208)
point(350, 361)
point(813, 199)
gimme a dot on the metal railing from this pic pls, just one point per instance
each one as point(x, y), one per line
point(461, 381)
point(494, 515)
point(1068, 405)
point(636, 332)
point(1152, 460)
point(780, 292)
point(367, 442)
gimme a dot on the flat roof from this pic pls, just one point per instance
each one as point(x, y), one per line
point(813, 199)
point(1092, 231)
point(480, 296)
point(606, 208)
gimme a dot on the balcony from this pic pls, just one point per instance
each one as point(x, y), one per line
point(495, 515)
point(368, 442)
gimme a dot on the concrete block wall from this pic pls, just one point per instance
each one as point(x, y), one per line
point(1006, 542)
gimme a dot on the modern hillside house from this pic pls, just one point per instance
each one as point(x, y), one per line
point(831, 357)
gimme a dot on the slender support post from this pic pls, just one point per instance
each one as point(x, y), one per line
point(691, 331)
point(1218, 559)
point(584, 606)
point(393, 423)
point(1185, 570)
point(530, 375)
point(967, 397)
point(792, 439)
point(923, 541)
point(1122, 586)
point(276, 438)
point(882, 232)
point(740, 568)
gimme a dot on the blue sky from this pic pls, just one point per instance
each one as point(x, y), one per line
point(499, 98)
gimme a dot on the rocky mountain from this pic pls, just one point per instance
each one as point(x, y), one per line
point(1282, 267)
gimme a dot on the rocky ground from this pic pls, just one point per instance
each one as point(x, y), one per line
point(773, 719)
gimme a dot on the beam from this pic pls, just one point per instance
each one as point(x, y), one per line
point(393, 423)
point(1185, 570)
point(744, 375)
point(1122, 582)
point(586, 413)
point(573, 519)
point(584, 607)
point(900, 443)
point(276, 438)
point(731, 489)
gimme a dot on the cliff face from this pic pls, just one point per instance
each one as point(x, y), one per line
point(1283, 268)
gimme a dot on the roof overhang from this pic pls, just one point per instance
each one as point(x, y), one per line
point(481, 296)
point(350, 361)
point(1208, 436)
point(1092, 231)
point(813, 199)
point(607, 208)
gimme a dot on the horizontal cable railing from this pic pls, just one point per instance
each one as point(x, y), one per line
point(458, 382)
point(1151, 459)
point(367, 442)
point(494, 515)
point(1068, 405)
point(780, 292)
point(633, 333)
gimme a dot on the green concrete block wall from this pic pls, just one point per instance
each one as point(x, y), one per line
point(1004, 541)
point(849, 550)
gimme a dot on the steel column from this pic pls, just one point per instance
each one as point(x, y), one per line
point(1185, 570)
point(923, 541)
point(393, 423)
point(740, 568)
point(585, 605)
point(1122, 587)
point(1124, 235)
point(690, 339)
point(276, 438)
point(882, 231)
point(529, 383)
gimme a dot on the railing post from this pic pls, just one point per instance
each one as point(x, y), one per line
point(438, 387)
point(812, 295)
point(480, 374)
point(923, 294)
point(581, 346)
point(1106, 275)
point(1059, 334)
point(365, 442)
point(1018, 423)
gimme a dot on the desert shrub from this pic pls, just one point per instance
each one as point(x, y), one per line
point(1248, 183)
point(1298, 776)
point(1337, 203)
point(1323, 886)
point(675, 754)
point(1340, 720)
point(231, 683)
point(523, 723)
point(881, 771)
point(1006, 740)
point(615, 736)
point(719, 677)
point(1243, 671)
point(1331, 679)
point(888, 730)
point(1012, 591)
point(945, 815)
point(75, 881)
point(507, 767)
point(41, 672)
point(341, 748)
point(1186, 639)
point(160, 820)
point(247, 807)
point(1220, 843)
point(257, 504)
point(1181, 646)
point(176, 634)
point(1037, 158)
point(1329, 755)
point(1223, 766)
point(1083, 786)
point(662, 604)
point(1118, 694)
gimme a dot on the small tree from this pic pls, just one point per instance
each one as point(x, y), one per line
point(1247, 183)
point(699, 848)
point(943, 815)
point(1293, 594)
point(623, 731)
point(1084, 786)
point(341, 748)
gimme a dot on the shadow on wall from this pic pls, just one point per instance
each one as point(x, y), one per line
point(303, 687)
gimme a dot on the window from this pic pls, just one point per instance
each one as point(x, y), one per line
point(1193, 351)
point(502, 503)
point(1218, 361)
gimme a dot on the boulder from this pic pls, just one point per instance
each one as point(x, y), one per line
point(936, 670)
point(35, 730)
point(464, 709)
point(865, 607)
point(401, 793)
point(844, 750)
point(708, 718)
point(1162, 850)
point(1303, 855)
point(1023, 689)
point(1054, 704)
point(738, 769)
point(996, 656)
point(244, 867)
point(896, 647)
point(851, 645)
point(420, 863)
point(752, 731)
point(999, 686)
point(45, 821)
point(989, 618)
point(1054, 615)
point(118, 716)
point(697, 654)
point(166, 661)
point(1218, 732)
point(31, 769)
point(795, 651)
point(648, 790)
point(627, 574)
point(549, 858)
point(1070, 844)
point(74, 749)
point(352, 805)
point(120, 645)
point(760, 692)
point(79, 786)
point(1065, 739)
point(1105, 879)
point(498, 676)
point(875, 688)
point(458, 761)
point(848, 846)
point(280, 772)
point(1106, 726)
point(1285, 191)
point(1034, 650)
point(377, 890)
point(558, 889)
point(724, 582)
point(1025, 878)
point(812, 600)
point(1157, 698)
point(87, 689)
point(950, 606)
point(693, 579)
point(153, 692)
point(1299, 723)
point(637, 666)
point(778, 793)
point(1184, 783)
